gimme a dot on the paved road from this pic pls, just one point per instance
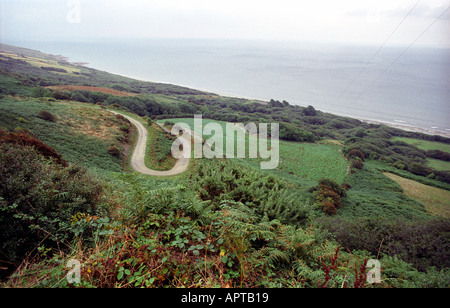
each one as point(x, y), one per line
point(138, 158)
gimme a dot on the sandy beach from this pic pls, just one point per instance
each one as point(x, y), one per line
point(409, 128)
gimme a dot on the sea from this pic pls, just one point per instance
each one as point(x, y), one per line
point(396, 85)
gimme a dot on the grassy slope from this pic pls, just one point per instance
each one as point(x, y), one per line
point(81, 133)
point(436, 200)
point(375, 195)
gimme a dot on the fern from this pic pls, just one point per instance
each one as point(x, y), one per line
point(274, 256)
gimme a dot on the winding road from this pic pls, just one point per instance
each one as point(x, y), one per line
point(138, 158)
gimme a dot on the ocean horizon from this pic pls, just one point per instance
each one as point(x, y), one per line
point(408, 91)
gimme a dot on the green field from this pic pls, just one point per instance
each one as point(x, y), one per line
point(159, 145)
point(438, 164)
point(309, 161)
point(425, 144)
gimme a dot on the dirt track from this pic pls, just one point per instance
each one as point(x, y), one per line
point(138, 158)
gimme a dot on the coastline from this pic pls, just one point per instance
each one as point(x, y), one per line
point(232, 94)
point(404, 127)
point(409, 128)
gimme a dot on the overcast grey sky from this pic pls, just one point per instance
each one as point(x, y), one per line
point(344, 21)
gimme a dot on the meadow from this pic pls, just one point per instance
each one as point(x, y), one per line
point(425, 144)
point(83, 134)
point(308, 161)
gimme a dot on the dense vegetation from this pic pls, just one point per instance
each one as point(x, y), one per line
point(66, 193)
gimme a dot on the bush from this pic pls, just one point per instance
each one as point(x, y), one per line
point(355, 153)
point(436, 154)
point(47, 116)
point(329, 195)
point(79, 97)
point(25, 138)
point(309, 111)
point(291, 132)
point(419, 169)
point(424, 244)
point(356, 164)
point(40, 92)
point(114, 151)
point(38, 200)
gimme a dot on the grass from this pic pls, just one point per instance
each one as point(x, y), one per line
point(159, 145)
point(37, 62)
point(82, 133)
point(313, 161)
point(439, 165)
point(424, 144)
point(436, 201)
point(308, 161)
point(374, 195)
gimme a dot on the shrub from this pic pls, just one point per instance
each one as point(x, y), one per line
point(125, 128)
point(40, 92)
point(38, 200)
point(328, 195)
point(436, 154)
point(26, 138)
point(355, 153)
point(114, 151)
point(419, 169)
point(47, 116)
point(422, 243)
point(328, 207)
point(291, 132)
point(79, 97)
point(309, 111)
point(356, 164)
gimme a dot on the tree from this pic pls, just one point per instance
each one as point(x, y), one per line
point(309, 111)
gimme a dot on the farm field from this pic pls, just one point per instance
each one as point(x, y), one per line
point(438, 164)
point(425, 144)
point(436, 200)
point(309, 161)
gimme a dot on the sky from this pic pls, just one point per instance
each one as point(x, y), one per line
point(341, 21)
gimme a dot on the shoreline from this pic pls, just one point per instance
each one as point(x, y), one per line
point(404, 127)
point(408, 128)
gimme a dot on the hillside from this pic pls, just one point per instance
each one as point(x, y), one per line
point(345, 191)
